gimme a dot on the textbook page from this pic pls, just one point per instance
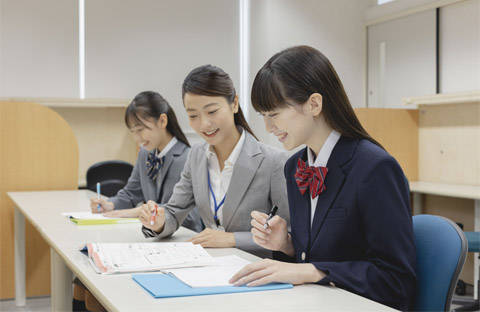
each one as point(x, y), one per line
point(137, 257)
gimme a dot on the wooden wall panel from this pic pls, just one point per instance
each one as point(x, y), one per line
point(101, 134)
point(397, 131)
point(449, 143)
point(38, 152)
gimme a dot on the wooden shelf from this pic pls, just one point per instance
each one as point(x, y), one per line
point(443, 189)
point(444, 99)
point(72, 102)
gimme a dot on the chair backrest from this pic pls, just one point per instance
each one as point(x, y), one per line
point(112, 174)
point(441, 252)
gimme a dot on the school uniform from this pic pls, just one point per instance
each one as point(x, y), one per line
point(154, 177)
point(252, 179)
point(358, 229)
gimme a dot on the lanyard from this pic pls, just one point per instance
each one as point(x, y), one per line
point(217, 207)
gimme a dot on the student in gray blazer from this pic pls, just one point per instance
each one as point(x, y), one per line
point(160, 161)
point(227, 177)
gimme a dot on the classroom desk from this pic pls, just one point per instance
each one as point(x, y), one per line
point(119, 292)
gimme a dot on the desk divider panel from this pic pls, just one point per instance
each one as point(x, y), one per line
point(38, 152)
point(397, 131)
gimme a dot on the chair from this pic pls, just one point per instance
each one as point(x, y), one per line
point(473, 239)
point(441, 252)
point(112, 174)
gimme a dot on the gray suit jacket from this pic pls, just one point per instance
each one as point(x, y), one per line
point(257, 183)
point(140, 188)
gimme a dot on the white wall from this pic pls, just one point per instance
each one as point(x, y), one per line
point(137, 45)
point(401, 59)
point(460, 47)
point(38, 48)
point(335, 27)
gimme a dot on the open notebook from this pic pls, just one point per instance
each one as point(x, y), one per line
point(109, 258)
point(88, 218)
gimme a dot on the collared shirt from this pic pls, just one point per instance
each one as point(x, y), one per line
point(220, 180)
point(321, 161)
point(167, 148)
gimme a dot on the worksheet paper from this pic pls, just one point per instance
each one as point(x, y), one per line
point(88, 215)
point(216, 274)
point(111, 258)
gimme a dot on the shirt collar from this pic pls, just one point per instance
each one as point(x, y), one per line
point(167, 148)
point(232, 159)
point(325, 151)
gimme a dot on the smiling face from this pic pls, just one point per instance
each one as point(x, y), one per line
point(151, 134)
point(294, 125)
point(212, 117)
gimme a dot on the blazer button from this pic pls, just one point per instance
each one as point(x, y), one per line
point(303, 256)
point(332, 284)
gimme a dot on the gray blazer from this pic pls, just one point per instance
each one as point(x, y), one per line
point(257, 183)
point(140, 188)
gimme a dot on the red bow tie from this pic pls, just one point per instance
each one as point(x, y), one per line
point(312, 177)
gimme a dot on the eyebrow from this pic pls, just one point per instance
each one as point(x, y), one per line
point(205, 107)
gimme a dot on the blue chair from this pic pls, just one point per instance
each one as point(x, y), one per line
point(473, 239)
point(441, 252)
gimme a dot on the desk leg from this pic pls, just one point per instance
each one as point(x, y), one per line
point(61, 279)
point(476, 263)
point(20, 281)
point(417, 203)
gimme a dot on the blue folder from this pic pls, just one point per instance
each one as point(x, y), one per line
point(166, 286)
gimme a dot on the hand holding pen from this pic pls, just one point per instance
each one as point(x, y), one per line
point(152, 216)
point(270, 231)
point(271, 214)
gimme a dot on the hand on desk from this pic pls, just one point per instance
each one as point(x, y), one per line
point(275, 237)
point(104, 205)
point(145, 216)
point(214, 238)
point(124, 213)
point(271, 271)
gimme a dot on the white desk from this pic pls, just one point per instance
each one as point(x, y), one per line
point(120, 292)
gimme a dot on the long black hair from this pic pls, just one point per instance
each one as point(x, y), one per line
point(211, 80)
point(149, 104)
point(291, 76)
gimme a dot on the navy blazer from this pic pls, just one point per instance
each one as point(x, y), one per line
point(362, 235)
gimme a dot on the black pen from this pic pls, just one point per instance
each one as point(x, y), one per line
point(271, 214)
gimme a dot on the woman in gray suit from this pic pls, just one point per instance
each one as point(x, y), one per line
point(163, 152)
point(227, 177)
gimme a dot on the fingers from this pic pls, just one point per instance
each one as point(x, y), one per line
point(259, 234)
point(267, 279)
point(260, 227)
point(152, 206)
point(260, 217)
point(248, 269)
point(94, 205)
point(275, 221)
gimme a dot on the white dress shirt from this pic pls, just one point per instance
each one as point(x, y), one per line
point(321, 161)
point(164, 151)
point(220, 180)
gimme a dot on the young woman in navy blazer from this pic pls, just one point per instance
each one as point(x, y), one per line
point(351, 224)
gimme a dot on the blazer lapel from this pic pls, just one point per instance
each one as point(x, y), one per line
point(244, 170)
point(301, 212)
point(200, 183)
point(342, 153)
